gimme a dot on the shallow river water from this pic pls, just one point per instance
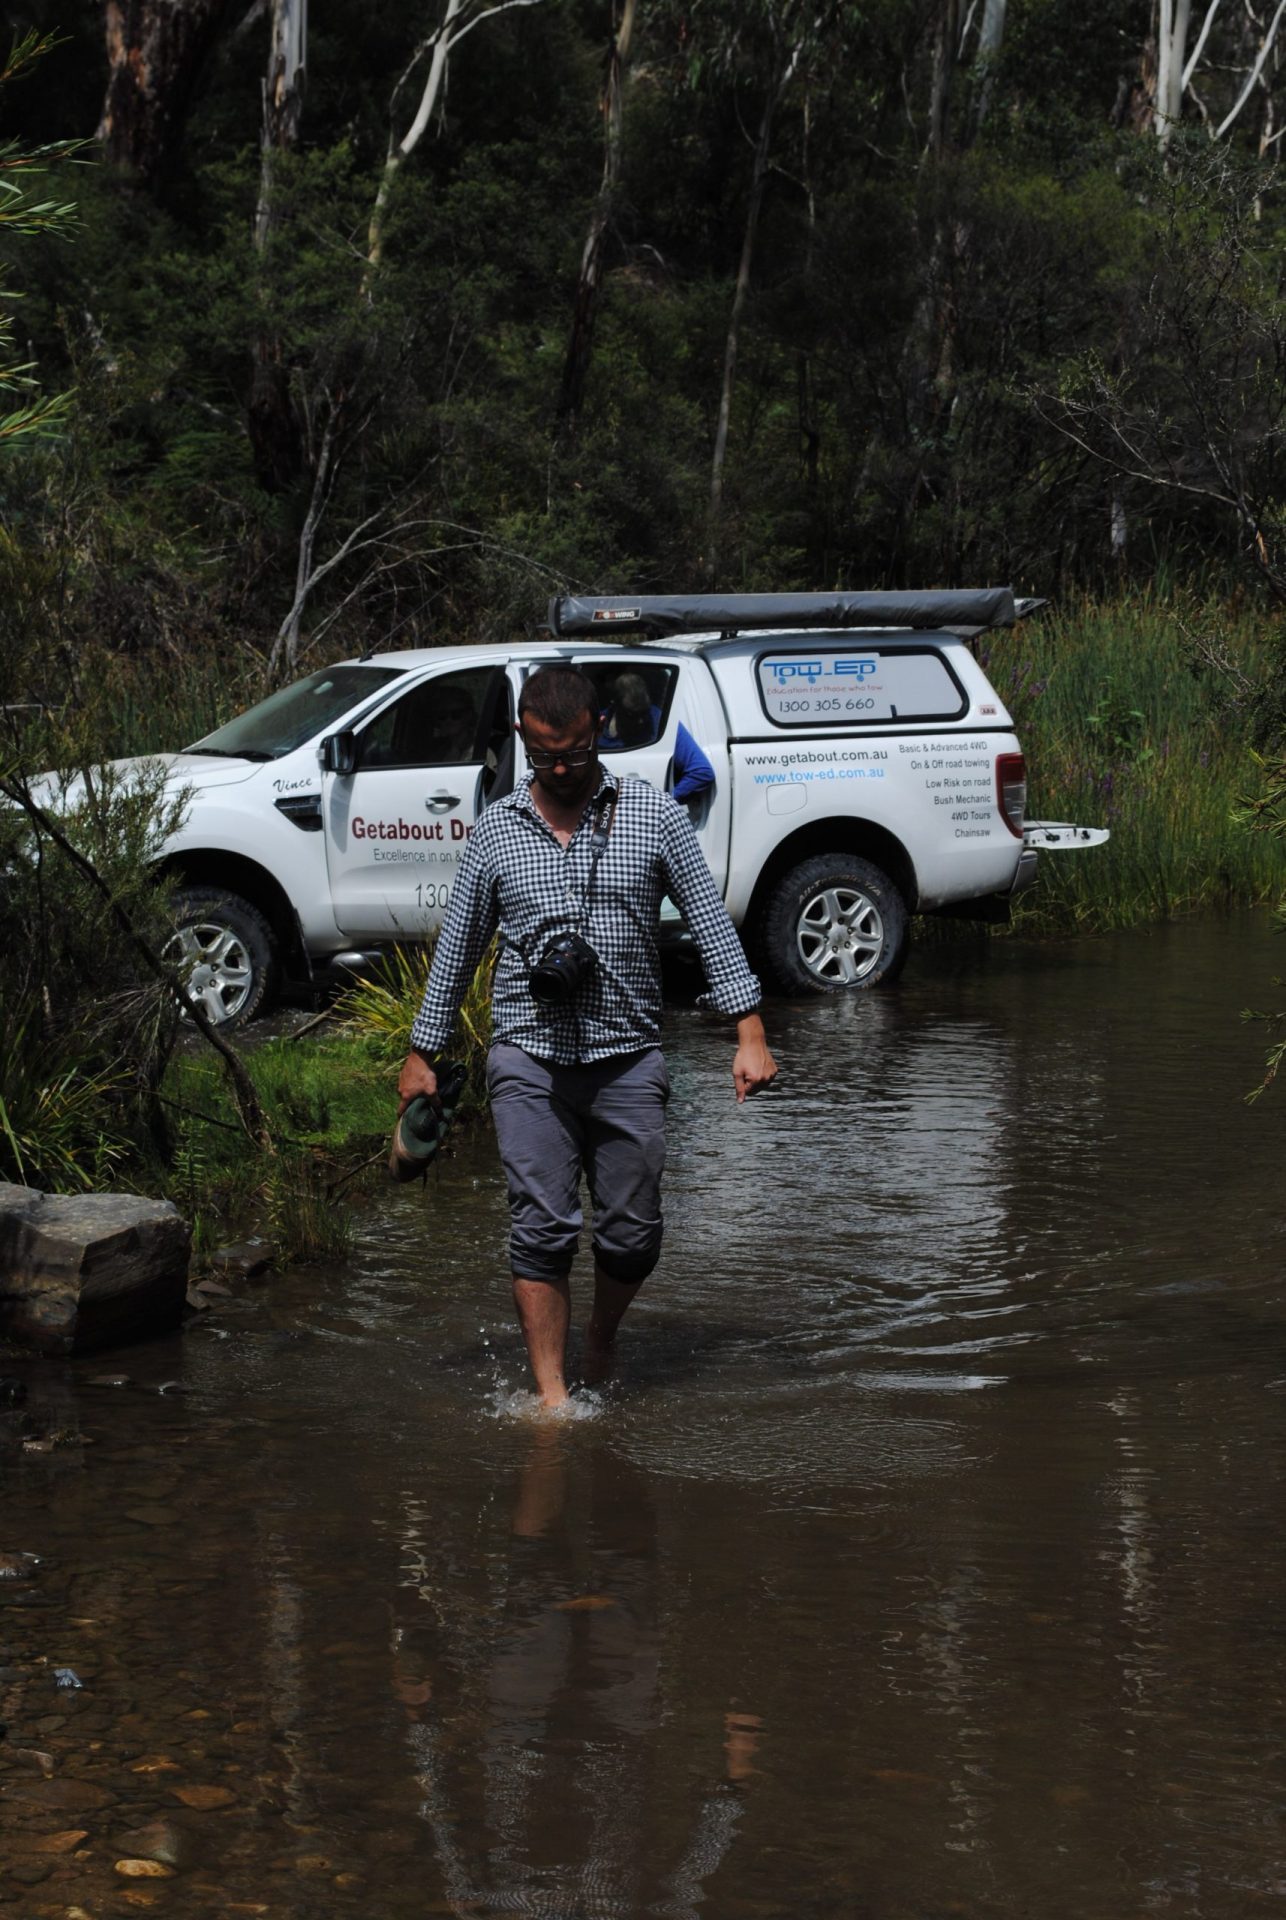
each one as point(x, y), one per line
point(926, 1557)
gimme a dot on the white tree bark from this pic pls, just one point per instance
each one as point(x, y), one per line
point(273, 433)
point(990, 37)
point(992, 31)
point(1253, 76)
point(283, 99)
point(1202, 37)
point(1190, 66)
point(1172, 47)
point(460, 18)
point(341, 411)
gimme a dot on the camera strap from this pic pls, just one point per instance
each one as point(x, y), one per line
point(604, 819)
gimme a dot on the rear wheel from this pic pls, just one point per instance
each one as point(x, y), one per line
point(835, 923)
point(226, 952)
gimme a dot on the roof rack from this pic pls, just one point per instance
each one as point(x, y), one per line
point(964, 612)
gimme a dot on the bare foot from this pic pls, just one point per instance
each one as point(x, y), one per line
point(599, 1360)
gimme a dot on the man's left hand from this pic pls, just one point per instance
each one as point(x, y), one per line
point(753, 1066)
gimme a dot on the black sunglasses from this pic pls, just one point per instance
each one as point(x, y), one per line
point(543, 762)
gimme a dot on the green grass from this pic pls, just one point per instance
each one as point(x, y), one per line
point(1126, 725)
point(330, 1102)
point(330, 1098)
point(380, 1010)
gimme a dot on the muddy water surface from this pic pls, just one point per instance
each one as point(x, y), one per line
point(926, 1558)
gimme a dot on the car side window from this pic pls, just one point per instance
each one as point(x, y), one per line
point(437, 724)
point(633, 701)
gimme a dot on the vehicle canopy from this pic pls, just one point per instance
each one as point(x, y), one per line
point(963, 612)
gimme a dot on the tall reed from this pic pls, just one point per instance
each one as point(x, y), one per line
point(1127, 725)
point(382, 1007)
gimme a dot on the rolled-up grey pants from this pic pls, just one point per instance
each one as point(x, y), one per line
point(552, 1122)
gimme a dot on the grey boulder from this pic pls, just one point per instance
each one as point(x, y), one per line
point(79, 1271)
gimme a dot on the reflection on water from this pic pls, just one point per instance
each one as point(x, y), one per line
point(925, 1559)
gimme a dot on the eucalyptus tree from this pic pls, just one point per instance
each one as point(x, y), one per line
point(589, 279)
point(362, 363)
point(156, 50)
point(270, 419)
point(766, 52)
point(459, 19)
point(1231, 61)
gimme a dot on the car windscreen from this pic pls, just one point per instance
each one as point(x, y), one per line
point(287, 718)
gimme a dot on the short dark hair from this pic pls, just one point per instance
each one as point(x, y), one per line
point(558, 697)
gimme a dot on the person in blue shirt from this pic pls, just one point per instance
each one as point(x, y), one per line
point(693, 774)
point(634, 720)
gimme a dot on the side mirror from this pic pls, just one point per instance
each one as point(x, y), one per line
point(339, 752)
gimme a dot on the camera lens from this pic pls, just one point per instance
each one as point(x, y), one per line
point(549, 987)
point(564, 964)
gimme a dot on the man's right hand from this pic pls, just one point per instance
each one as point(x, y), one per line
point(416, 1077)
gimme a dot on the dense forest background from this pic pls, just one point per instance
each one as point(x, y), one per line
point(382, 322)
point(374, 326)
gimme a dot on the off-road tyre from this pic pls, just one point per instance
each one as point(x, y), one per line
point(834, 924)
point(232, 951)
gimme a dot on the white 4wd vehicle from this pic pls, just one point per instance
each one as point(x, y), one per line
point(865, 771)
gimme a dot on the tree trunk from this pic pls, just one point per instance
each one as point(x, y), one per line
point(1172, 50)
point(285, 647)
point(283, 102)
point(270, 420)
point(585, 311)
point(758, 177)
point(945, 52)
point(398, 150)
point(155, 50)
point(928, 354)
point(990, 38)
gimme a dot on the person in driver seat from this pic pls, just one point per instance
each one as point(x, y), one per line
point(449, 724)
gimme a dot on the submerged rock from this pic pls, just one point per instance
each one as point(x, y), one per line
point(144, 1870)
point(157, 1840)
point(79, 1271)
point(247, 1259)
point(30, 1873)
point(204, 1799)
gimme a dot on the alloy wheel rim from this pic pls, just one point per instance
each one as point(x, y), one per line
point(840, 935)
point(218, 968)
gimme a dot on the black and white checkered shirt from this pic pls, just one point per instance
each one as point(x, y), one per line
point(516, 877)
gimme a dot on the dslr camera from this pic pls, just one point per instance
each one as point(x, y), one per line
point(564, 966)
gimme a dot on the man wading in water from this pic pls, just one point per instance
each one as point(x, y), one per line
point(571, 868)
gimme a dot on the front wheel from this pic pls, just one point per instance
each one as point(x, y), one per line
point(226, 952)
point(835, 923)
